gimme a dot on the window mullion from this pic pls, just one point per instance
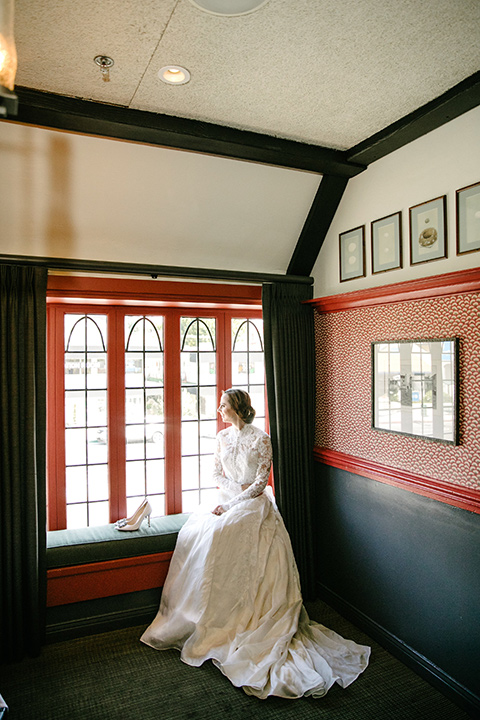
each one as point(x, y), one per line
point(173, 402)
point(116, 413)
point(57, 515)
point(224, 369)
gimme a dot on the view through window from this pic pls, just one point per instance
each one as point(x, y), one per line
point(134, 413)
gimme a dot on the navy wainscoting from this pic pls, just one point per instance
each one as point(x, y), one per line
point(407, 569)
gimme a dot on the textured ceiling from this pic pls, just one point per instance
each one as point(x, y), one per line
point(322, 72)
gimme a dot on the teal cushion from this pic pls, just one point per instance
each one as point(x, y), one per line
point(95, 544)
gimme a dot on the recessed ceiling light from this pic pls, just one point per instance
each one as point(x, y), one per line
point(174, 75)
point(229, 7)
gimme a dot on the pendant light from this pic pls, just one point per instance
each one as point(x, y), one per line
point(8, 60)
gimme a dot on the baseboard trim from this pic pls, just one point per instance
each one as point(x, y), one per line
point(104, 622)
point(452, 689)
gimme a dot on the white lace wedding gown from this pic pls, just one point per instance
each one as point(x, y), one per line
point(232, 593)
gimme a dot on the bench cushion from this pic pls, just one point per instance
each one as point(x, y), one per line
point(96, 544)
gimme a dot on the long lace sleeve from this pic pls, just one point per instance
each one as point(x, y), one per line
point(219, 476)
point(262, 453)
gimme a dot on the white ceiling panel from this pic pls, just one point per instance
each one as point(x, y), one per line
point(322, 72)
point(57, 41)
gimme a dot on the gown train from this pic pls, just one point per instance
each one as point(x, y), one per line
point(232, 595)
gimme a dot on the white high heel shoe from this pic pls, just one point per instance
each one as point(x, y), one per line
point(134, 522)
point(125, 521)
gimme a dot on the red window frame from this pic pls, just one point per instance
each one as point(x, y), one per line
point(116, 298)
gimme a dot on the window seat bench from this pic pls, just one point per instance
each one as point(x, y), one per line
point(104, 542)
point(95, 562)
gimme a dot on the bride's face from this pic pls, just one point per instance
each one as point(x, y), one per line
point(227, 414)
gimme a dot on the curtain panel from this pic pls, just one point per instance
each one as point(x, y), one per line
point(290, 380)
point(22, 460)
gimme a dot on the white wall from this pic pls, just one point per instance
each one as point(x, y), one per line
point(439, 163)
point(74, 196)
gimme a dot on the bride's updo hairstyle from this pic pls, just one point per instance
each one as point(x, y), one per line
point(241, 404)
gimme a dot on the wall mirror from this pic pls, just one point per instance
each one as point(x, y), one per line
point(415, 388)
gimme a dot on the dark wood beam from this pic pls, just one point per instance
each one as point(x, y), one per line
point(64, 113)
point(453, 103)
point(92, 118)
point(118, 268)
point(317, 224)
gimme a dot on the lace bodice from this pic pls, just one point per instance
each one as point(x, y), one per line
point(242, 457)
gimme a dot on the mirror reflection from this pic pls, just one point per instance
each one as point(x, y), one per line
point(415, 388)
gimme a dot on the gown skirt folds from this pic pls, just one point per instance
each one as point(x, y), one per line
point(232, 595)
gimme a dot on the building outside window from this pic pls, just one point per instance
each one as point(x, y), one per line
point(133, 393)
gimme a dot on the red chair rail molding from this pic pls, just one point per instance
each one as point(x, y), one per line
point(458, 496)
point(423, 288)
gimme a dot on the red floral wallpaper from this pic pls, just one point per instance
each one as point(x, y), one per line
point(343, 406)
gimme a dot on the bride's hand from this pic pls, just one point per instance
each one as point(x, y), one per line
point(219, 510)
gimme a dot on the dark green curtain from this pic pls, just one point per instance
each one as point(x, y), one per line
point(290, 371)
point(22, 460)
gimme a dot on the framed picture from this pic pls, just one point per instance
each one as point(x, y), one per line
point(428, 231)
point(352, 254)
point(468, 219)
point(387, 243)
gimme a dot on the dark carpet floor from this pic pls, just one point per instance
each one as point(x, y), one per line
point(113, 675)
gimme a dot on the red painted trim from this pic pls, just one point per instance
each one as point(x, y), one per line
point(51, 414)
point(116, 416)
point(104, 579)
point(159, 292)
point(173, 415)
point(222, 351)
point(438, 286)
point(455, 495)
point(116, 312)
point(56, 420)
point(227, 359)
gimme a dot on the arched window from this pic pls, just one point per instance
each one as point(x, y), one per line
point(133, 394)
point(248, 370)
point(199, 409)
point(144, 412)
point(86, 460)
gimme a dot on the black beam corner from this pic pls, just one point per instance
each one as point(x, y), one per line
point(317, 224)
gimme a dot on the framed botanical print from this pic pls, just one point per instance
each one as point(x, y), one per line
point(428, 231)
point(468, 219)
point(352, 254)
point(387, 243)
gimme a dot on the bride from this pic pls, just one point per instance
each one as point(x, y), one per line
point(232, 593)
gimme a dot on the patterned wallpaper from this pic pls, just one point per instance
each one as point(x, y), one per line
point(343, 406)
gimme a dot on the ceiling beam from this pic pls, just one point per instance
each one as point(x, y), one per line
point(154, 271)
point(316, 226)
point(453, 103)
point(64, 113)
point(92, 118)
